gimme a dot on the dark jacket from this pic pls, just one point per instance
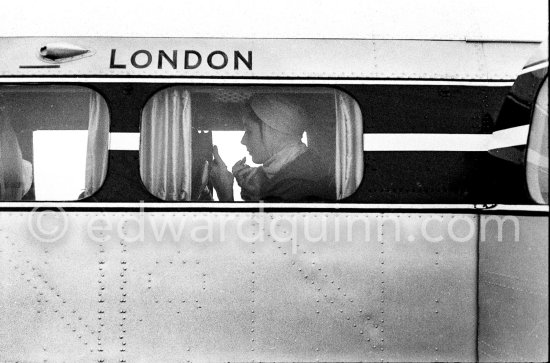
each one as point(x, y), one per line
point(306, 178)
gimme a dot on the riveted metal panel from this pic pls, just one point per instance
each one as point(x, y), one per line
point(431, 60)
point(513, 289)
point(499, 64)
point(283, 58)
point(238, 286)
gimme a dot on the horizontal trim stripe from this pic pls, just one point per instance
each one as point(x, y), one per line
point(124, 141)
point(446, 142)
point(395, 142)
point(534, 67)
point(513, 136)
point(425, 142)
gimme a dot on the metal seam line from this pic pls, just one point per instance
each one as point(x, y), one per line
point(473, 209)
point(279, 81)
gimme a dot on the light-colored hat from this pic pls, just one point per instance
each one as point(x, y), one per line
point(280, 113)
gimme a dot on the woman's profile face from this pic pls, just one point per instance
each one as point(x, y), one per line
point(253, 140)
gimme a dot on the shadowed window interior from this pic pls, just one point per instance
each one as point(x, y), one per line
point(53, 142)
point(251, 143)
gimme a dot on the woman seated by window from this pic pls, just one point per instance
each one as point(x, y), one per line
point(290, 171)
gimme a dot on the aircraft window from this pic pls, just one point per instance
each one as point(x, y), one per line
point(53, 142)
point(251, 143)
point(537, 152)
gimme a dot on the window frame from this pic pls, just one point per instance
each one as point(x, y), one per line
point(258, 88)
point(58, 87)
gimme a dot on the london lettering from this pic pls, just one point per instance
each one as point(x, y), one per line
point(186, 59)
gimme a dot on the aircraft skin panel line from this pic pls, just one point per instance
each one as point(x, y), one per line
point(263, 81)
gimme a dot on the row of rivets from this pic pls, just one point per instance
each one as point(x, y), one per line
point(123, 296)
point(253, 297)
point(39, 282)
point(101, 300)
point(317, 270)
point(173, 301)
point(382, 293)
point(436, 300)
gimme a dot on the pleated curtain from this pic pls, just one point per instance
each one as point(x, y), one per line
point(98, 144)
point(537, 153)
point(349, 135)
point(12, 186)
point(165, 149)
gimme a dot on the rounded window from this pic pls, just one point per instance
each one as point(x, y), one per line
point(53, 142)
point(251, 143)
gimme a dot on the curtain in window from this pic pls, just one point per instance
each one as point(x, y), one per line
point(537, 153)
point(98, 144)
point(15, 172)
point(165, 150)
point(349, 144)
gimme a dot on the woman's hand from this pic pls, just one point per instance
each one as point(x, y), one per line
point(222, 179)
point(240, 169)
point(204, 191)
point(248, 179)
